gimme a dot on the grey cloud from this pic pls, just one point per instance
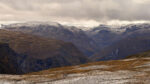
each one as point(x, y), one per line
point(97, 10)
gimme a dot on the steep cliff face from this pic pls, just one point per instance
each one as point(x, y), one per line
point(8, 61)
point(36, 53)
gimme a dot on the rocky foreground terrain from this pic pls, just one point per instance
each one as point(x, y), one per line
point(127, 71)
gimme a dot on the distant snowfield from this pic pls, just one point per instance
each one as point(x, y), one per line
point(140, 75)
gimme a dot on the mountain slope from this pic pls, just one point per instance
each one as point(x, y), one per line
point(103, 35)
point(131, 39)
point(107, 35)
point(124, 48)
point(140, 55)
point(59, 32)
point(38, 53)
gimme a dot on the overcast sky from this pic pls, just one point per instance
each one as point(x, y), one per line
point(77, 12)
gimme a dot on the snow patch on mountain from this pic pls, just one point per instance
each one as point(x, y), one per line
point(32, 24)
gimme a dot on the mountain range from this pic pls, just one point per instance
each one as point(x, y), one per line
point(60, 32)
point(41, 46)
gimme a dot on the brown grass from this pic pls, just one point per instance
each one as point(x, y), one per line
point(116, 65)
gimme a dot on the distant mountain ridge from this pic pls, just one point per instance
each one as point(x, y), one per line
point(135, 39)
point(99, 43)
point(105, 35)
point(60, 32)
